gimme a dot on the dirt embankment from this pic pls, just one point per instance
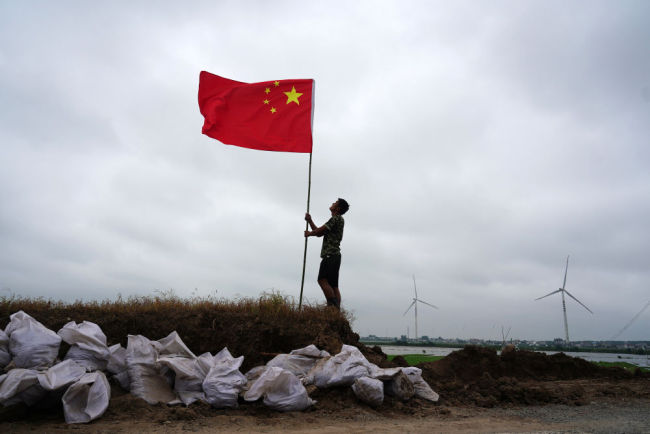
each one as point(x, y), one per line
point(478, 376)
point(470, 377)
point(252, 328)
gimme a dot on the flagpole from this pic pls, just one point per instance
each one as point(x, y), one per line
point(304, 259)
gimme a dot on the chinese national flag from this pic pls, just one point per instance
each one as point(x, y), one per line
point(270, 116)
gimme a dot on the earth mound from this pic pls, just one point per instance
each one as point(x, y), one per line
point(478, 376)
point(258, 329)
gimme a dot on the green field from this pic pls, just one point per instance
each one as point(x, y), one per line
point(414, 359)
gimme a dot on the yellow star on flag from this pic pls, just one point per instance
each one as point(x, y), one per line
point(293, 96)
point(266, 101)
point(273, 110)
point(276, 83)
point(267, 90)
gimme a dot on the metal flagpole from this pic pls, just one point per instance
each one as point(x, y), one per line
point(304, 259)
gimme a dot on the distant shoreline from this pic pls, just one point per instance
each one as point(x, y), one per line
point(560, 348)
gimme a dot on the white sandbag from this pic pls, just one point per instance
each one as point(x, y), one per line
point(61, 375)
point(400, 386)
point(422, 388)
point(383, 374)
point(87, 344)
point(145, 378)
point(251, 377)
point(87, 399)
point(5, 357)
point(116, 362)
point(340, 370)
point(369, 390)
point(310, 351)
point(123, 380)
point(224, 381)
point(299, 362)
point(116, 365)
point(85, 358)
point(31, 344)
point(20, 385)
point(188, 379)
point(172, 345)
point(281, 390)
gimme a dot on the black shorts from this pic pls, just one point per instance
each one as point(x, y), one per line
point(329, 270)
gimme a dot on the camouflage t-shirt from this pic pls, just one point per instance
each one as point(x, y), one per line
point(333, 236)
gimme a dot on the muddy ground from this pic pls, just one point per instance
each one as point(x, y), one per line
point(608, 406)
point(480, 392)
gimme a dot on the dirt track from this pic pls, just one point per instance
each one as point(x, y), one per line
point(625, 407)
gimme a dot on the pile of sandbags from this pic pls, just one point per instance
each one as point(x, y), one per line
point(350, 368)
point(33, 372)
point(167, 371)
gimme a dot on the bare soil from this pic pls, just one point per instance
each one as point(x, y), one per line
point(625, 410)
point(480, 392)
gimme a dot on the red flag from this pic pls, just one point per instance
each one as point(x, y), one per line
point(270, 116)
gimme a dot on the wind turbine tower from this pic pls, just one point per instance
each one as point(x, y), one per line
point(562, 291)
point(415, 302)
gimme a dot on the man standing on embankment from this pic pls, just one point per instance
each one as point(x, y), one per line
point(328, 273)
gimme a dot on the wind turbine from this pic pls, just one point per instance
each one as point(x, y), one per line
point(562, 291)
point(631, 321)
point(416, 300)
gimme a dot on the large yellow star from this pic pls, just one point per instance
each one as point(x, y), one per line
point(293, 96)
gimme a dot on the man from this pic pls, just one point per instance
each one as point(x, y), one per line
point(328, 273)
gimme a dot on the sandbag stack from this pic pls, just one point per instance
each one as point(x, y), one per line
point(167, 371)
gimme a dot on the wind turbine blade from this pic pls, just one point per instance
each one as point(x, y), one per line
point(415, 288)
point(632, 321)
point(569, 294)
point(410, 306)
point(565, 271)
point(551, 293)
point(428, 304)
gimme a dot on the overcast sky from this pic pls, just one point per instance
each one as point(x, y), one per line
point(478, 144)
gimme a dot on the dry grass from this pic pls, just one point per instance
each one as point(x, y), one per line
point(271, 323)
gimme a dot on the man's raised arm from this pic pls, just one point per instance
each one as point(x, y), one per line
point(316, 231)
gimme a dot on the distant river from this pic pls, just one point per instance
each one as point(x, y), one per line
point(643, 361)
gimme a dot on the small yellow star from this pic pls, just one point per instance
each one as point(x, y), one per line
point(267, 90)
point(266, 101)
point(293, 96)
point(276, 83)
point(273, 110)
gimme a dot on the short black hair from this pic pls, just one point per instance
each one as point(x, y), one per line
point(343, 206)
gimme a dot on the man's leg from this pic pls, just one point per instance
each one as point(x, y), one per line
point(328, 291)
point(337, 295)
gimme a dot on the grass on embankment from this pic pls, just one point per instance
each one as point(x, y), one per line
point(252, 327)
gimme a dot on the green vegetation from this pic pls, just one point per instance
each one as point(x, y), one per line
point(414, 359)
point(628, 366)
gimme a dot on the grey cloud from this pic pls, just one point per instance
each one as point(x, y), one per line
point(478, 145)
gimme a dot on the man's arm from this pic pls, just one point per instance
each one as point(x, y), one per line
point(308, 219)
point(317, 232)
